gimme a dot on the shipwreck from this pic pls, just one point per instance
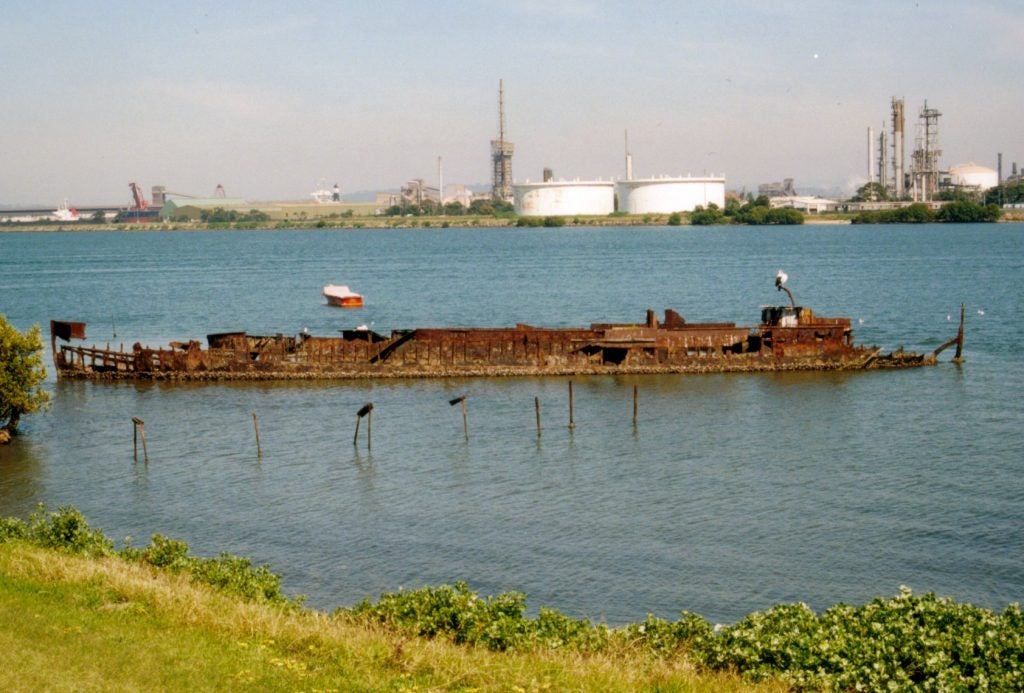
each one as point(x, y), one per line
point(788, 338)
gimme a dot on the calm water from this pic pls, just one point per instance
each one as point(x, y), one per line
point(733, 492)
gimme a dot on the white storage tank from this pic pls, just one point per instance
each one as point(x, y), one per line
point(564, 198)
point(973, 176)
point(666, 195)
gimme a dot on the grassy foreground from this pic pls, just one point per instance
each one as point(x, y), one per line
point(77, 614)
point(74, 623)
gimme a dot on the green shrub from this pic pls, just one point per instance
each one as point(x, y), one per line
point(664, 638)
point(530, 221)
point(67, 530)
point(163, 552)
point(11, 528)
point(901, 643)
point(675, 219)
point(453, 611)
point(707, 217)
point(236, 575)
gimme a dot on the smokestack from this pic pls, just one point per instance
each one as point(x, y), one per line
point(629, 158)
point(548, 175)
point(883, 170)
point(871, 155)
point(897, 145)
point(999, 167)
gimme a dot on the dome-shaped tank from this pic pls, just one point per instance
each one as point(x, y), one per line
point(973, 176)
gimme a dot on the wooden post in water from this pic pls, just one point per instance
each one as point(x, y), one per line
point(536, 406)
point(465, 420)
point(636, 397)
point(139, 429)
point(256, 427)
point(572, 424)
point(958, 356)
point(366, 409)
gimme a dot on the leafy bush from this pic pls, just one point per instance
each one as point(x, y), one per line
point(11, 528)
point(236, 575)
point(162, 552)
point(226, 573)
point(966, 212)
point(554, 221)
point(707, 217)
point(901, 643)
point(665, 638)
point(916, 213)
point(675, 219)
point(530, 221)
point(66, 530)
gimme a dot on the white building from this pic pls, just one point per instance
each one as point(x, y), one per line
point(666, 195)
point(810, 205)
point(564, 198)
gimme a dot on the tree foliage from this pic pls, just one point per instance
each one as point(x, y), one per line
point(21, 374)
point(871, 192)
point(220, 215)
point(1006, 194)
point(967, 211)
point(707, 217)
point(959, 211)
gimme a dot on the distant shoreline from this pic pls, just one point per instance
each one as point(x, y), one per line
point(388, 223)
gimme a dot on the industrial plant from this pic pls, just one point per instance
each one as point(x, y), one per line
point(895, 178)
point(925, 179)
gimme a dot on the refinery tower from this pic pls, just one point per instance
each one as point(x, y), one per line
point(501, 155)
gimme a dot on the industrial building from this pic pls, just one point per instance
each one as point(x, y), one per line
point(804, 203)
point(666, 195)
point(564, 198)
point(192, 208)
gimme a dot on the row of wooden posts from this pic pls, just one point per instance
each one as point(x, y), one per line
point(366, 411)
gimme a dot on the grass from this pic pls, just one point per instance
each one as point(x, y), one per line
point(75, 623)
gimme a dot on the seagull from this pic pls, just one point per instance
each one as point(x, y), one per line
point(780, 279)
point(981, 311)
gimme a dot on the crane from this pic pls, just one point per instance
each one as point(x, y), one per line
point(140, 201)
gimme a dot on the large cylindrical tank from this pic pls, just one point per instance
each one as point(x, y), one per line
point(973, 176)
point(667, 195)
point(561, 198)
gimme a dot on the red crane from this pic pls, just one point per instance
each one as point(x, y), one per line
point(140, 201)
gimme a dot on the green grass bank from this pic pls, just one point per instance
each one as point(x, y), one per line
point(78, 614)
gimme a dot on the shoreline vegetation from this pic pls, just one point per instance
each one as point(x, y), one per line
point(80, 614)
point(700, 217)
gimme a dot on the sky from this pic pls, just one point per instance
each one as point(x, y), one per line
point(274, 100)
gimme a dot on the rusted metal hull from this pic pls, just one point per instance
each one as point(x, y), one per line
point(788, 339)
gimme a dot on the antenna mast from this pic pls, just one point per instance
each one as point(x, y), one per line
point(501, 155)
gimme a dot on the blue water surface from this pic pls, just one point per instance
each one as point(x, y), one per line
point(731, 493)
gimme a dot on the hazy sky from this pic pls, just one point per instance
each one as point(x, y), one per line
point(273, 99)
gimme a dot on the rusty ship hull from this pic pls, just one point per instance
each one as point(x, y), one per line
point(789, 338)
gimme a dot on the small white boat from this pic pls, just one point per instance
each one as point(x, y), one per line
point(341, 295)
point(65, 213)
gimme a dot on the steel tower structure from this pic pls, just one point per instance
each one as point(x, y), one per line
point(501, 155)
